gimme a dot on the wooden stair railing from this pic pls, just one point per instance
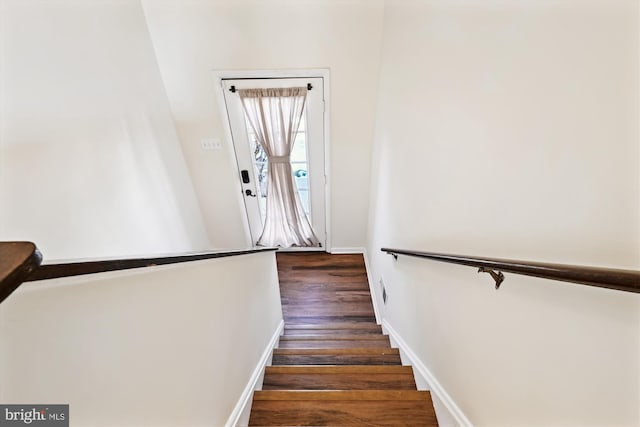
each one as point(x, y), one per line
point(18, 260)
point(21, 262)
point(610, 278)
point(68, 269)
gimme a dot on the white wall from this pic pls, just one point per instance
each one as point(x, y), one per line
point(162, 346)
point(192, 38)
point(510, 129)
point(90, 163)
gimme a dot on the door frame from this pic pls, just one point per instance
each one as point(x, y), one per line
point(324, 73)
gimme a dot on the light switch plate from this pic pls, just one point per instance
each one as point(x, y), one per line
point(211, 144)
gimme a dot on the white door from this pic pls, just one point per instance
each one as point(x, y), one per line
point(307, 157)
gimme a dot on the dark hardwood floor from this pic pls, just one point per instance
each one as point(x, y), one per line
point(333, 365)
point(324, 290)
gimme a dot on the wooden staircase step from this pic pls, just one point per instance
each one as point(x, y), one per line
point(338, 335)
point(328, 295)
point(327, 311)
point(337, 341)
point(302, 290)
point(336, 356)
point(354, 326)
point(343, 408)
point(327, 278)
point(289, 260)
point(372, 377)
point(324, 319)
point(327, 332)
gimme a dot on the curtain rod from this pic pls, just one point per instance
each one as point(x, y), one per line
point(232, 89)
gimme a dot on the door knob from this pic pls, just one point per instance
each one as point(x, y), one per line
point(249, 193)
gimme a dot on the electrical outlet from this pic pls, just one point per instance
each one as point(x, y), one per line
point(384, 292)
point(211, 144)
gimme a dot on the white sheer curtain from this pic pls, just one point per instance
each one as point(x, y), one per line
point(274, 115)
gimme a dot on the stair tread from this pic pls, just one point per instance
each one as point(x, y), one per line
point(340, 369)
point(350, 350)
point(341, 337)
point(339, 341)
point(343, 408)
point(333, 325)
point(334, 356)
point(339, 377)
point(318, 331)
point(314, 395)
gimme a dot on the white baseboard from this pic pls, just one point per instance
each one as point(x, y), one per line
point(347, 250)
point(372, 290)
point(454, 412)
point(245, 398)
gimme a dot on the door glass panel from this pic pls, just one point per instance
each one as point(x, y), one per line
point(261, 169)
point(299, 167)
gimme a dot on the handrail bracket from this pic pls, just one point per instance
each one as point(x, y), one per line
point(498, 277)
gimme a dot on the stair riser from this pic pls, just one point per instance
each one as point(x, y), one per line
point(388, 359)
point(356, 278)
point(328, 332)
point(291, 313)
point(318, 260)
point(320, 320)
point(338, 382)
point(337, 337)
point(333, 295)
point(333, 344)
point(339, 326)
point(341, 413)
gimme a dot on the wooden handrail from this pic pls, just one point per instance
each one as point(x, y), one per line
point(21, 262)
point(17, 261)
point(621, 280)
point(54, 271)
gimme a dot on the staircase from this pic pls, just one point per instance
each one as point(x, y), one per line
point(334, 366)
